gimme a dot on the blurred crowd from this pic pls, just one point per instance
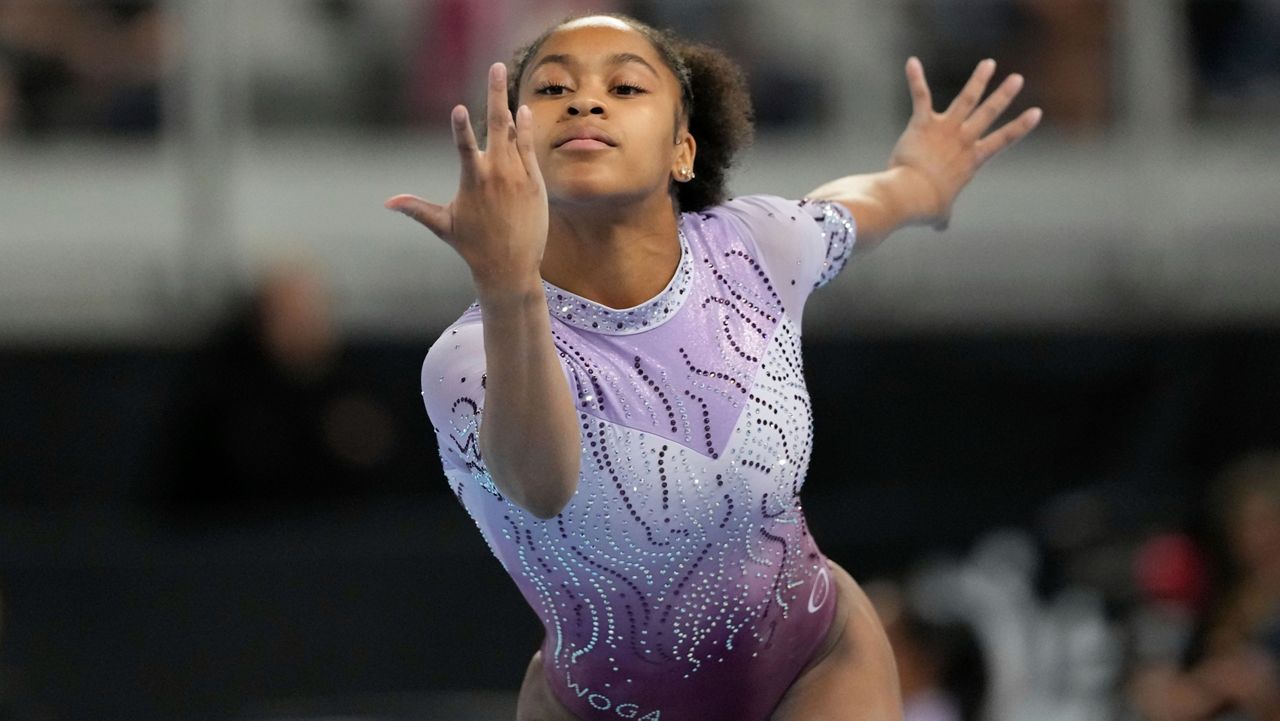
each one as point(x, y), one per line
point(1214, 654)
point(100, 66)
point(82, 67)
point(1175, 625)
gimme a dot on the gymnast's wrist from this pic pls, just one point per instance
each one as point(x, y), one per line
point(499, 293)
point(913, 198)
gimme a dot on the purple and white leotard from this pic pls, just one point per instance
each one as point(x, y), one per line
point(681, 582)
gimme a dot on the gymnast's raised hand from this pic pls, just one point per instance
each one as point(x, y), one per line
point(935, 157)
point(498, 220)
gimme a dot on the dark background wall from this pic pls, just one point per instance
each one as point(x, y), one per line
point(115, 606)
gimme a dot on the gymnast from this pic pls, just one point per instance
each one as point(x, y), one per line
point(623, 410)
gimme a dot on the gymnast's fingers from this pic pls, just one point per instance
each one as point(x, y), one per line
point(524, 143)
point(500, 124)
point(921, 101)
point(465, 138)
point(967, 100)
point(437, 218)
point(1010, 133)
point(992, 107)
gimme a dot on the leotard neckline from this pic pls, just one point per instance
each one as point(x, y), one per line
point(589, 315)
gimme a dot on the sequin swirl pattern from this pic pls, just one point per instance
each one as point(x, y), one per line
point(838, 227)
point(681, 581)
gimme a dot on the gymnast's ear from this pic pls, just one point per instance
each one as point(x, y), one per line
point(686, 149)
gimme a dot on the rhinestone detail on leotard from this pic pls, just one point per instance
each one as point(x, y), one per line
point(839, 230)
point(589, 315)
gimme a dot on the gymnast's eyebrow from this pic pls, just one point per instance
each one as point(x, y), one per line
point(571, 61)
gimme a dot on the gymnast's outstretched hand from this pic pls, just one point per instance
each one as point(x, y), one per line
point(946, 149)
point(498, 220)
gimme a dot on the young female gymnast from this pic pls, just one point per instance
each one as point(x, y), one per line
point(623, 412)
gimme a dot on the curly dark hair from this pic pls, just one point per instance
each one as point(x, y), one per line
point(713, 97)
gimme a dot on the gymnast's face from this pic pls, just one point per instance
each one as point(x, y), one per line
point(606, 113)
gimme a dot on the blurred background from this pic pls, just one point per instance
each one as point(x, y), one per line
point(1045, 440)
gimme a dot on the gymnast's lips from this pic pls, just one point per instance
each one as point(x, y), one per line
point(587, 137)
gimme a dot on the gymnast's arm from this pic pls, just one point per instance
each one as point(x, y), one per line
point(529, 435)
point(498, 224)
point(935, 157)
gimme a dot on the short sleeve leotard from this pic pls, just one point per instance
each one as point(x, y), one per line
point(680, 583)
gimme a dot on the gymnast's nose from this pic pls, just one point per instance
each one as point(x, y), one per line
point(586, 106)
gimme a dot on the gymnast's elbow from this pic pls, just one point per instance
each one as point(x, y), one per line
point(548, 505)
point(543, 492)
point(549, 511)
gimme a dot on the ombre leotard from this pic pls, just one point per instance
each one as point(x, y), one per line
point(681, 582)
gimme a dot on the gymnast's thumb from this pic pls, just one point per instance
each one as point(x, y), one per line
point(437, 218)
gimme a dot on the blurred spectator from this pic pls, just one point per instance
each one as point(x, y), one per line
point(81, 65)
point(1172, 578)
point(1236, 54)
point(275, 418)
point(1235, 663)
point(1072, 56)
point(1062, 47)
point(941, 670)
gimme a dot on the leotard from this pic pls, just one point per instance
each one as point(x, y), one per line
point(680, 583)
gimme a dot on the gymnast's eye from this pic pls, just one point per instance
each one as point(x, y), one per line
point(548, 88)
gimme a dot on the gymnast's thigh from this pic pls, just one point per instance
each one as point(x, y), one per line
point(536, 701)
point(858, 679)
